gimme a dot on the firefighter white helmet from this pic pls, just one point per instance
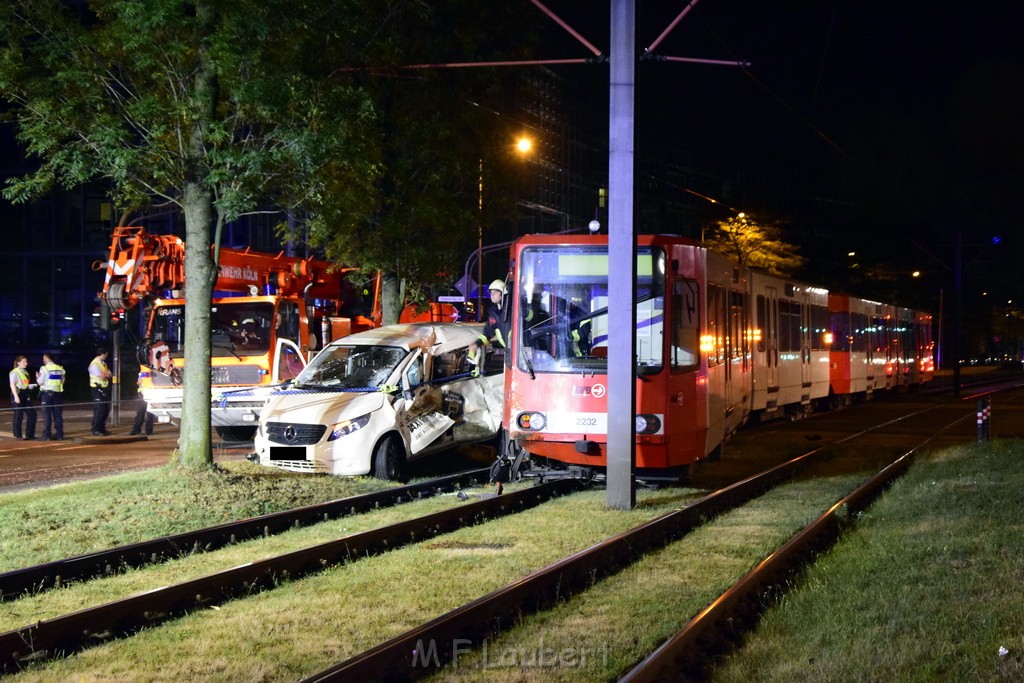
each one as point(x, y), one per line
point(498, 285)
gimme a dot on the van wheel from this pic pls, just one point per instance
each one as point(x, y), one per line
point(388, 458)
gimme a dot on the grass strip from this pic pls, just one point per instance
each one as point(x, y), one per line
point(926, 587)
point(599, 634)
point(42, 525)
point(304, 626)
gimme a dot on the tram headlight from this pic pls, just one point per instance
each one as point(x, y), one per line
point(533, 422)
point(647, 424)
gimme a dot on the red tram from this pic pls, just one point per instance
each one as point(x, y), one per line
point(716, 344)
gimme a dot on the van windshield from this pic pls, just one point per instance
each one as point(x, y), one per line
point(352, 367)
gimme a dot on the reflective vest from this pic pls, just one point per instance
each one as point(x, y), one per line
point(99, 374)
point(51, 377)
point(19, 378)
point(581, 339)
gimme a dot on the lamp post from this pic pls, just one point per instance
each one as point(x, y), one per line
point(523, 146)
point(480, 244)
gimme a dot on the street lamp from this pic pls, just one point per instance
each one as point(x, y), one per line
point(523, 146)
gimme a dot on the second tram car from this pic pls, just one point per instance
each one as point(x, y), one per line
point(716, 343)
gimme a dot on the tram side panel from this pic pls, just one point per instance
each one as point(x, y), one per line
point(852, 375)
point(791, 357)
point(688, 391)
point(726, 348)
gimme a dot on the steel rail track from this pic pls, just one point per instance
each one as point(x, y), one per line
point(105, 562)
point(426, 649)
point(72, 632)
point(469, 625)
point(686, 654)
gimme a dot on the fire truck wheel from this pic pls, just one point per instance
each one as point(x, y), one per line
point(388, 458)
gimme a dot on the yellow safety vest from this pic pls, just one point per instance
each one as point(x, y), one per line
point(20, 378)
point(101, 378)
point(51, 377)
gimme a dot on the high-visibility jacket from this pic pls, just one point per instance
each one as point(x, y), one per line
point(19, 378)
point(51, 377)
point(99, 373)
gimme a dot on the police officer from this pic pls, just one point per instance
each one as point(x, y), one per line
point(51, 383)
point(21, 397)
point(99, 385)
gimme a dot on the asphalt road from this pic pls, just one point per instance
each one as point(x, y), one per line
point(31, 464)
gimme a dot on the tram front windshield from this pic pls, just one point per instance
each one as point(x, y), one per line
point(563, 309)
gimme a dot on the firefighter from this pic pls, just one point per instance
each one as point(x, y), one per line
point(51, 383)
point(496, 326)
point(99, 386)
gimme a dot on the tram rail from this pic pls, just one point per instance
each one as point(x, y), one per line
point(72, 632)
point(106, 562)
point(69, 633)
point(470, 625)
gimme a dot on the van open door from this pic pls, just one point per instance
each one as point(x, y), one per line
point(288, 362)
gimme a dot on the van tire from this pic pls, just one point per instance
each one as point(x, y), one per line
point(388, 458)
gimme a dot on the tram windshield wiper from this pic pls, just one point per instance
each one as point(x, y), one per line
point(525, 357)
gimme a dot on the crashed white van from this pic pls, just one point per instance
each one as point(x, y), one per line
point(372, 400)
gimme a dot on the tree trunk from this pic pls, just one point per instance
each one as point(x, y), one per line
point(195, 445)
point(391, 298)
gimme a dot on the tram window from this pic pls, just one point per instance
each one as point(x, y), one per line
point(716, 325)
point(562, 321)
point(858, 332)
point(795, 327)
point(841, 332)
point(786, 328)
point(685, 325)
point(879, 336)
point(819, 326)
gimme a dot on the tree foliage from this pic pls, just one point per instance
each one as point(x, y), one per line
point(223, 107)
point(751, 243)
point(212, 106)
point(432, 127)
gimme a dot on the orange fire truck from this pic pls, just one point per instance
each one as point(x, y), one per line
point(270, 314)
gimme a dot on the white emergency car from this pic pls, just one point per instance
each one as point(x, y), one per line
point(373, 400)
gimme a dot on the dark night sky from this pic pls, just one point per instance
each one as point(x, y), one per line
point(876, 125)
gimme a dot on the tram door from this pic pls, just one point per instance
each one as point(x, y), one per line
point(769, 322)
point(805, 341)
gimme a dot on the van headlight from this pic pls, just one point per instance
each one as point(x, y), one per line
point(346, 427)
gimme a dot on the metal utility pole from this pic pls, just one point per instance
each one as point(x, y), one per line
point(621, 492)
point(958, 313)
